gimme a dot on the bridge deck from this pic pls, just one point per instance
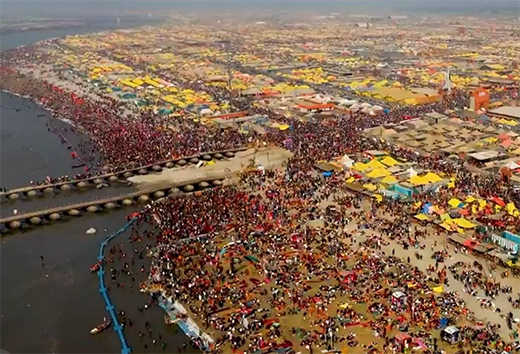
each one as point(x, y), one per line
point(113, 199)
point(107, 175)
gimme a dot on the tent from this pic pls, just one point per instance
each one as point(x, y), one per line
point(432, 177)
point(359, 166)
point(455, 203)
point(346, 161)
point(371, 187)
point(427, 208)
point(422, 217)
point(378, 173)
point(464, 223)
point(389, 180)
point(375, 164)
point(389, 161)
point(412, 172)
point(512, 165)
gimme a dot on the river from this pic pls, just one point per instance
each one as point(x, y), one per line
point(52, 307)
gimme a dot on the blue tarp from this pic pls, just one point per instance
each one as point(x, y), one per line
point(426, 208)
point(327, 174)
point(511, 237)
point(403, 190)
point(391, 194)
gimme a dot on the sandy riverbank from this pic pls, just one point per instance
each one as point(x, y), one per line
point(271, 157)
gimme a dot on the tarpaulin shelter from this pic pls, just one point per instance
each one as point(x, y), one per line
point(498, 201)
point(464, 223)
point(375, 164)
point(359, 166)
point(369, 186)
point(378, 173)
point(455, 203)
point(389, 161)
point(389, 180)
point(346, 161)
point(427, 208)
point(422, 217)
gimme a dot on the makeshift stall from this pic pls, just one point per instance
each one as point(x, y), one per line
point(451, 334)
point(403, 341)
point(399, 299)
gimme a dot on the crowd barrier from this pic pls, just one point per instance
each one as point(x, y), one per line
point(125, 349)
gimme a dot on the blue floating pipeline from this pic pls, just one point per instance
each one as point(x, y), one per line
point(125, 349)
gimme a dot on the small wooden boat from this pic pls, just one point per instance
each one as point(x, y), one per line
point(94, 268)
point(101, 327)
point(78, 165)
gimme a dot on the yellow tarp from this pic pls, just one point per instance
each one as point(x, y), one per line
point(378, 173)
point(359, 166)
point(417, 180)
point(454, 203)
point(351, 180)
point(389, 180)
point(375, 164)
point(464, 223)
point(432, 177)
point(283, 127)
point(389, 161)
point(438, 289)
point(421, 217)
point(378, 197)
point(446, 226)
point(370, 187)
point(470, 199)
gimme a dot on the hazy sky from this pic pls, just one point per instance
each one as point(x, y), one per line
point(79, 7)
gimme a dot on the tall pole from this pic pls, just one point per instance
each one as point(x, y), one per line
point(230, 73)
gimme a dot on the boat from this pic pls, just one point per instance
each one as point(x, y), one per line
point(94, 268)
point(78, 165)
point(101, 327)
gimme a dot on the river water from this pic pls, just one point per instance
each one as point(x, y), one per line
point(52, 307)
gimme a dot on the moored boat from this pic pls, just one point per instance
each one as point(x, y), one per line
point(101, 327)
point(94, 268)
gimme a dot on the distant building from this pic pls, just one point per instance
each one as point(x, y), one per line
point(363, 25)
point(398, 18)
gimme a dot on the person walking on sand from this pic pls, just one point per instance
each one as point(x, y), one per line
point(43, 263)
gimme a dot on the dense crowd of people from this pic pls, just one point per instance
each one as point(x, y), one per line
point(245, 260)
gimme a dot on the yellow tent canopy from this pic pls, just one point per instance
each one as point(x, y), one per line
point(421, 217)
point(470, 199)
point(375, 164)
point(389, 180)
point(432, 177)
point(417, 180)
point(464, 223)
point(370, 187)
point(454, 202)
point(359, 166)
point(378, 173)
point(389, 161)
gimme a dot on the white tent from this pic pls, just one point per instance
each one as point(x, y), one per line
point(512, 165)
point(347, 102)
point(354, 107)
point(365, 110)
point(377, 108)
point(365, 104)
point(346, 161)
point(205, 112)
point(412, 172)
